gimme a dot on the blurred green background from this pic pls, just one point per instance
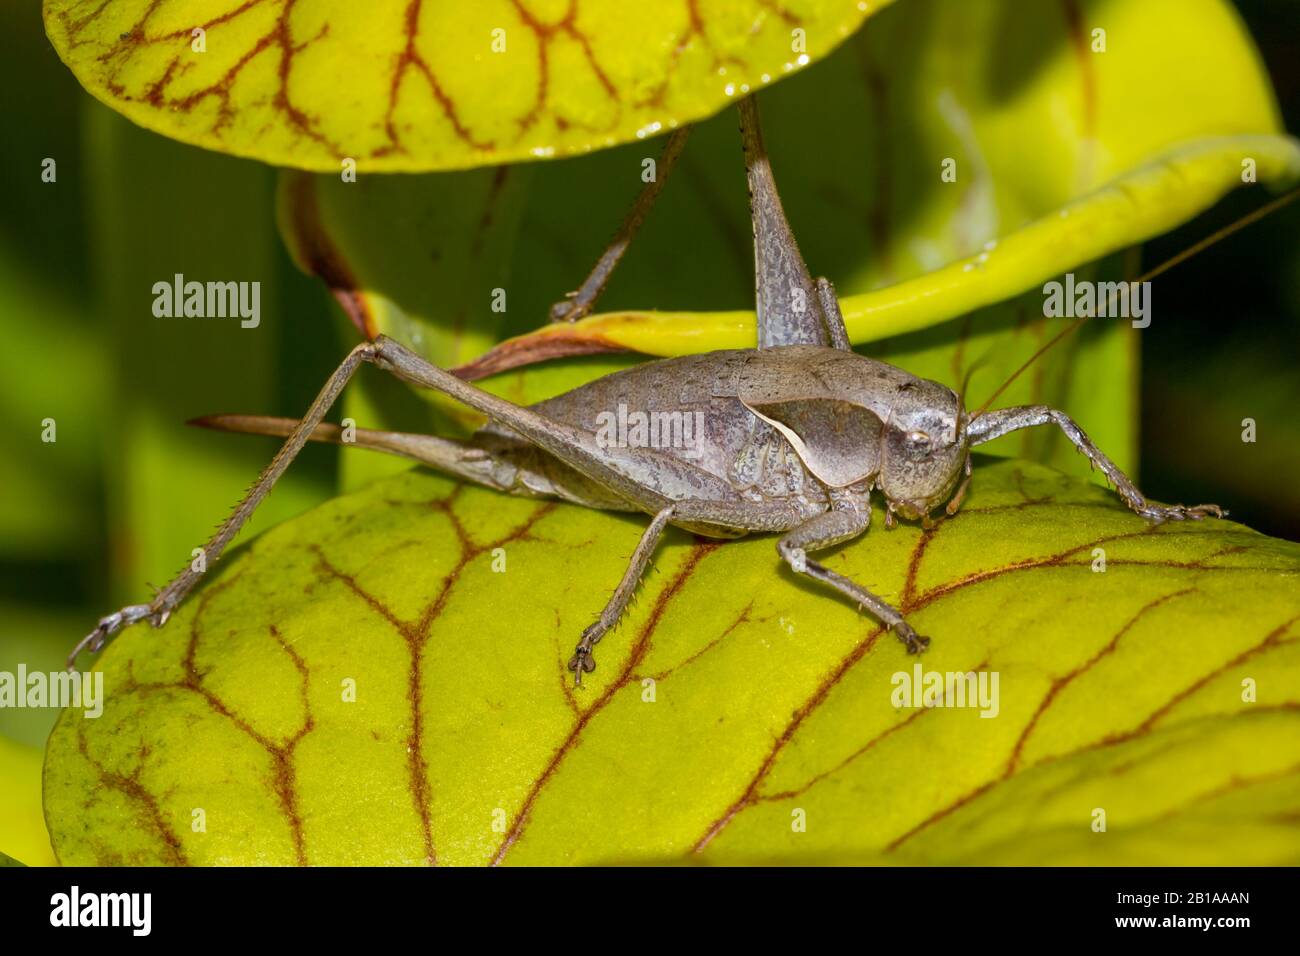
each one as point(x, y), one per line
point(87, 520)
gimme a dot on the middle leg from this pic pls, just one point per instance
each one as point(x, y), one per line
point(734, 516)
point(582, 660)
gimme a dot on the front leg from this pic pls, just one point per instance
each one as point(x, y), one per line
point(844, 522)
point(991, 425)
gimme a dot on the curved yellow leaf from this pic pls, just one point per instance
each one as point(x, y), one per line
point(407, 85)
point(1063, 147)
point(1142, 204)
point(383, 681)
point(22, 825)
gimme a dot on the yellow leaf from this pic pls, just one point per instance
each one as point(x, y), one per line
point(415, 86)
point(22, 826)
point(383, 681)
point(1139, 206)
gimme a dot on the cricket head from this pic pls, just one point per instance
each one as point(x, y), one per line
point(923, 448)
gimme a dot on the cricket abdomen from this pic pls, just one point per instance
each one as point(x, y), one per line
point(687, 408)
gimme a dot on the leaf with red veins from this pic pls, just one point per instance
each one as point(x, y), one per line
point(417, 85)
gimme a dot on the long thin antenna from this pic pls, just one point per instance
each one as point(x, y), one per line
point(1215, 237)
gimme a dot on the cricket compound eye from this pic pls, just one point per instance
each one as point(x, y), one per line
point(917, 445)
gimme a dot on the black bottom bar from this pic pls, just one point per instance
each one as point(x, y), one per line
point(214, 906)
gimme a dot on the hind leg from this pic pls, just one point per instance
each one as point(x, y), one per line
point(579, 302)
point(165, 601)
point(488, 460)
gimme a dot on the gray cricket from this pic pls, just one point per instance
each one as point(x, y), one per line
point(798, 433)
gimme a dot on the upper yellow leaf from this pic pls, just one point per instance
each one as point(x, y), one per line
point(404, 85)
